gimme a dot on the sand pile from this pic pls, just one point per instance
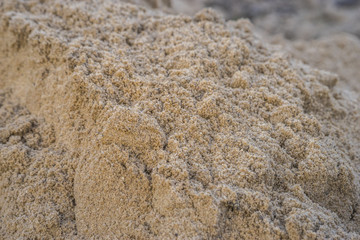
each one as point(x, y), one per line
point(119, 122)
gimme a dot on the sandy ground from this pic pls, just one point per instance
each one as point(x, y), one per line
point(121, 121)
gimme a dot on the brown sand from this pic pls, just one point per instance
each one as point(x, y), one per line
point(119, 122)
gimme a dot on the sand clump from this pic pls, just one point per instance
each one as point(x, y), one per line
point(121, 122)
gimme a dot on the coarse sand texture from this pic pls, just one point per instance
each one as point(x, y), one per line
point(121, 122)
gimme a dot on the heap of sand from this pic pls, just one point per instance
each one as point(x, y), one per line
point(119, 122)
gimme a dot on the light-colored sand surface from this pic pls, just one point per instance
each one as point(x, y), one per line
point(124, 122)
point(339, 54)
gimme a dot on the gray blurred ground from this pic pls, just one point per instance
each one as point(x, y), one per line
point(295, 19)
